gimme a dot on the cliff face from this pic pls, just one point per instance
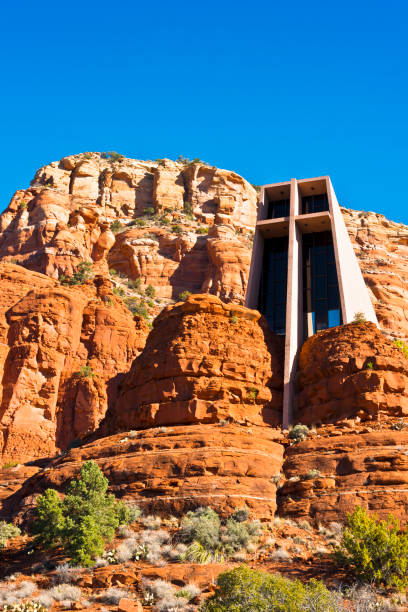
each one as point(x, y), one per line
point(49, 334)
point(164, 210)
point(381, 247)
point(199, 413)
point(198, 399)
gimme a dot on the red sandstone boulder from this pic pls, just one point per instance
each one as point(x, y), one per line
point(351, 370)
point(204, 361)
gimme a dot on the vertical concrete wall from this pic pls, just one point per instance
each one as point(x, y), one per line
point(293, 297)
point(255, 270)
point(354, 295)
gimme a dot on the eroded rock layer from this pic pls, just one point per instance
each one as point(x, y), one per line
point(171, 470)
point(49, 334)
point(351, 370)
point(331, 474)
point(381, 247)
point(65, 217)
point(204, 361)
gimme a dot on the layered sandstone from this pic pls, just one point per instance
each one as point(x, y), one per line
point(351, 371)
point(198, 416)
point(353, 381)
point(205, 361)
point(48, 334)
point(381, 247)
point(65, 217)
point(335, 471)
point(174, 469)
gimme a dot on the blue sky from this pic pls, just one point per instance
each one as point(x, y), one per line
point(270, 90)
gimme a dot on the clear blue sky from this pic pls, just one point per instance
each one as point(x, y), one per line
point(272, 90)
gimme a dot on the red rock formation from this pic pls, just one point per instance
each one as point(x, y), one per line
point(65, 218)
point(351, 370)
point(47, 335)
point(214, 373)
point(203, 362)
point(381, 247)
point(354, 377)
point(171, 470)
point(329, 475)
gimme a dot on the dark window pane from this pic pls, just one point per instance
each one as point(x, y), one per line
point(320, 284)
point(272, 297)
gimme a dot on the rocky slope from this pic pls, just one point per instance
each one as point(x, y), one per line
point(217, 369)
point(49, 334)
point(352, 383)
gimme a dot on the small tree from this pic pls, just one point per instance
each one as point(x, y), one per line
point(84, 520)
point(83, 272)
point(85, 371)
point(116, 226)
point(359, 317)
point(150, 291)
point(377, 551)
point(184, 295)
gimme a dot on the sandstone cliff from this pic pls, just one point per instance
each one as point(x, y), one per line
point(214, 373)
point(164, 210)
point(381, 247)
point(49, 334)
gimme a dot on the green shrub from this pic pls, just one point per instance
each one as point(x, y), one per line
point(149, 212)
point(202, 230)
point(85, 371)
point(188, 210)
point(119, 291)
point(240, 515)
point(137, 307)
point(376, 550)
point(138, 222)
point(209, 540)
point(9, 464)
point(84, 521)
point(236, 535)
point(202, 525)
point(23, 205)
point(177, 229)
point(134, 284)
point(243, 589)
point(7, 530)
point(233, 319)
point(299, 432)
point(312, 474)
point(116, 226)
point(150, 291)
point(184, 295)
point(112, 155)
point(359, 317)
point(83, 272)
point(253, 394)
point(401, 346)
point(370, 365)
point(112, 272)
